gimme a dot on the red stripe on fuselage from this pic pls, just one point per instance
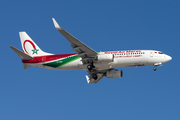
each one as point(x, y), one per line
point(47, 58)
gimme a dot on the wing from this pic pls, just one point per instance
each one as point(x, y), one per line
point(80, 48)
point(86, 53)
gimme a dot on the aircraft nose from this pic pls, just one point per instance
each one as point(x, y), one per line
point(168, 58)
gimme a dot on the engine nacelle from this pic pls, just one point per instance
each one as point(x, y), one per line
point(114, 74)
point(105, 58)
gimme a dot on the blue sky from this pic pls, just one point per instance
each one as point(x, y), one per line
point(42, 94)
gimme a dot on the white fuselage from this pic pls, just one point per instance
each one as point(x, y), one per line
point(130, 58)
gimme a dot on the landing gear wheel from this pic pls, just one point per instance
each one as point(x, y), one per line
point(90, 66)
point(94, 76)
point(154, 69)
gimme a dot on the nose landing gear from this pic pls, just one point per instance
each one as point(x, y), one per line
point(154, 68)
point(156, 65)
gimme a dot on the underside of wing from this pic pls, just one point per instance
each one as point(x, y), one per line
point(90, 79)
point(96, 76)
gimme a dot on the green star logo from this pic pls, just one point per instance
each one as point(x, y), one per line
point(35, 51)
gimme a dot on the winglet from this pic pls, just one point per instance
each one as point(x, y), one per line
point(56, 24)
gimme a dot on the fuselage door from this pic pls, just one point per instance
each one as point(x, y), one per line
point(43, 59)
point(151, 54)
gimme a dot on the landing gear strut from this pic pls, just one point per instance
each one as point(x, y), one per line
point(90, 67)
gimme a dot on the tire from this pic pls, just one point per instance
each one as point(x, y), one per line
point(95, 77)
point(89, 67)
point(154, 69)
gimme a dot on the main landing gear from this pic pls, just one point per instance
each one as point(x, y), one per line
point(94, 76)
point(90, 68)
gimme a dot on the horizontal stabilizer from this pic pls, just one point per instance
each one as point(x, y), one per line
point(21, 54)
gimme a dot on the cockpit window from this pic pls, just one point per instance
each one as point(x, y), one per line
point(160, 52)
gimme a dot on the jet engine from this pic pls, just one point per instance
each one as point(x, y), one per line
point(114, 74)
point(105, 58)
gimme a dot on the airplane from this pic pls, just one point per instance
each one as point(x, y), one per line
point(97, 64)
